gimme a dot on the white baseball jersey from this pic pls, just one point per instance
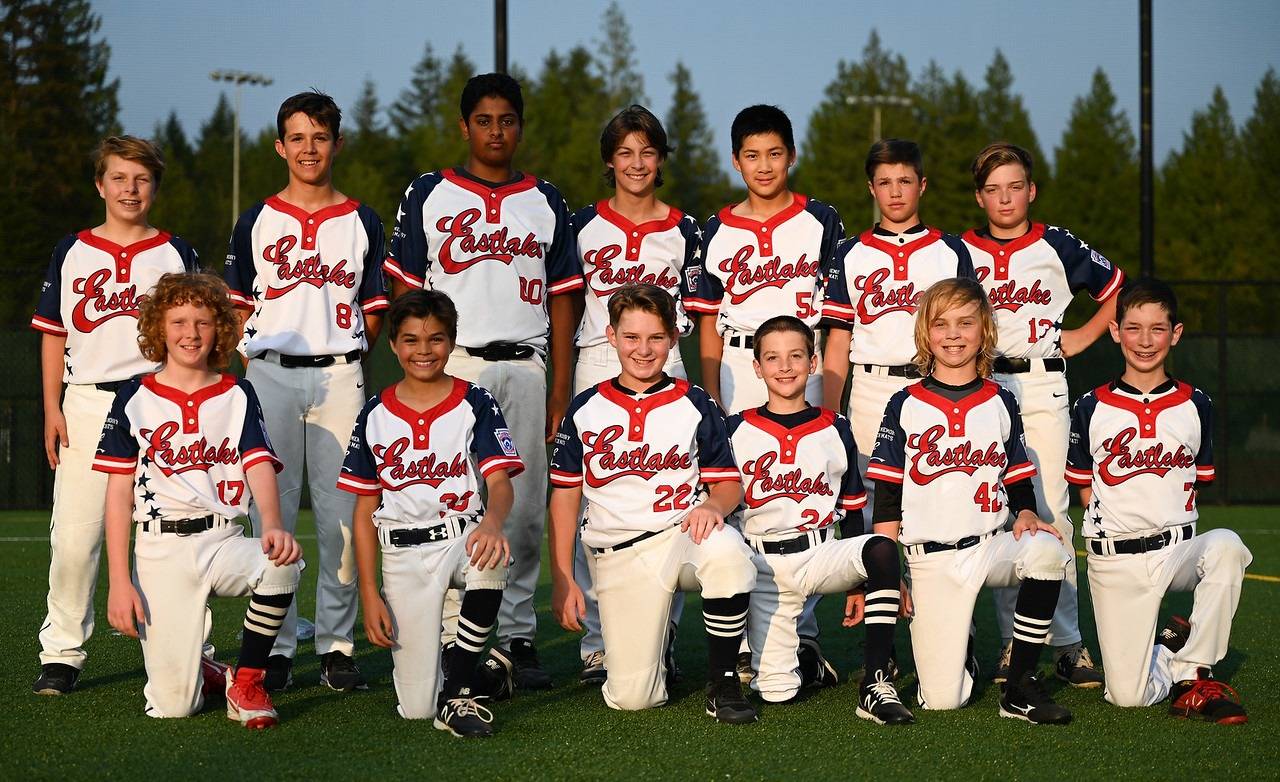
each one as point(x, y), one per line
point(1142, 454)
point(799, 471)
point(616, 252)
point(188, 453)
point(953, 459)
point(642, 460)
point(750, 271)
point(494, 248)
point(876, 283)
point(309, 278)
point(1031, 292)
point(428, 464)
point(91, 296)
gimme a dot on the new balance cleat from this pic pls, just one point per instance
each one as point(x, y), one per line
point(1173, 636)
point(815, 670)
point(593, 671)
point(878, 701)
point(339, 672)
point(56, 679)
point(464, 717)
point(1075, 667)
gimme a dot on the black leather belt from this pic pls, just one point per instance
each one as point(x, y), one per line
point(294, 362)
point(901, 370)
point(1141, 545)
point(742, 341)
point(932, 547)
point(402, 538)
point(501, 351)
point(112, 387)
point(794, 545)
point(628, 543)
point(1016, 366)
point(183, 526)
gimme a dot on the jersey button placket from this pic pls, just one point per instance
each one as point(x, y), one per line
point(122, 267)
point(764, 240)
point(495, 207)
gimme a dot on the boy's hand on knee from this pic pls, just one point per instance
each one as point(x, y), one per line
point(855, 605)
point(124, 610)
point(281, 547)
point(377, 622)
point(488, 547)
point(701, 522)
point(1030, 523)
point(568, 604)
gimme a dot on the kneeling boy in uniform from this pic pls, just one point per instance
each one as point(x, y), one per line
point(186, 449)
point(416, 459)
point(652, 458)
point(799, 465)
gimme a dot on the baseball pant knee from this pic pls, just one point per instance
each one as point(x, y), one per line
point(1042, 557)
point(723, 565)
point(278, 579)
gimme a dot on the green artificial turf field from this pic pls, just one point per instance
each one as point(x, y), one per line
point(99, 731)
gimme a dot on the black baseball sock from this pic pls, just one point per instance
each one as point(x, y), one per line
point(261, 626)
point(880, 557)
point(1031, 619)
point(475, 622)
point(725, 619)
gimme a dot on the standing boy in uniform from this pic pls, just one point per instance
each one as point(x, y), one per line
point(651, 456)
point(1140, 448)
point(186, 450)
point(800, 470)
point(88, 313)
point(417, 457)
point(499, 243)
point(952, 468)
point(1031, 273)
point(305, 267)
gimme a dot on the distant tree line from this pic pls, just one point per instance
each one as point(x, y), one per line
point(1214, 218)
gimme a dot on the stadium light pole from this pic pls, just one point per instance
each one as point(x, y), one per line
point(237, 78)
point(500, 36)
point(876, 102)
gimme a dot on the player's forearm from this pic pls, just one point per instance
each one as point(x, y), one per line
point(365, 537)
point(398, 289)
point(501, 498)
point(566, 310)
point(372, 327)
point(261, 478)
point(51, 367)
point(835, 368)
point(561, 531)
point(1086, 496)
point(711, 352)
point(118, 509)
point(1076, 341)
point(242, 316)
point(723, 497)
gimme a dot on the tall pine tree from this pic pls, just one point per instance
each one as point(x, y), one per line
point(1005, 118)
point(950, 133)
point(693, 178)
point(616, 55)
point(564, 113)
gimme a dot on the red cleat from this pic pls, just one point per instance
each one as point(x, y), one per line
point(1208, 699)
point(213, 675)
point(248, 701)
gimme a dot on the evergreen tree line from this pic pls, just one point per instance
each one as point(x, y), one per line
point(1213, 217)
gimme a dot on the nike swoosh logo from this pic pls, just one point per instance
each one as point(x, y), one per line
point(1058, 396)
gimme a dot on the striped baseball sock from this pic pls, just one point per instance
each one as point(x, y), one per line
point(1031, 619)
point(261, 626)
point(475, 623)
point(880, 558)
point(725, 619)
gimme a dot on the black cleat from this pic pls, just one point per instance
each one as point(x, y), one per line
point(674, 674)
point(815, 670)
point(279, 673)
point(1027, 700)
point(744, 670)
point(495, 675)
point(1075, 667)
point(593, 671)
point(1001, 674)
point(529, 673)
point(726, 702)
point(464, 717)
point(56, 679)
point(1174, 635)
point(878, 701)
point(339, 672)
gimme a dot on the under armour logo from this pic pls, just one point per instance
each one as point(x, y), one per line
point(437, 533)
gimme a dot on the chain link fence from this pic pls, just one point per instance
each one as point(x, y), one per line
point(1230, 348)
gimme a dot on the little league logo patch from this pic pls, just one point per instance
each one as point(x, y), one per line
point(1097, 258)
point(505, 442)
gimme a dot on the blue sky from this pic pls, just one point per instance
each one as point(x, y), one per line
point(742, 52)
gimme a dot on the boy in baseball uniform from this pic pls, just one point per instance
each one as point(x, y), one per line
point(800, 472)
point(651, 456)
point(1140, 448)
point(185, 450)
point(305, 269)
point(1031, 273)
point(952, 468)
point(88, 316)
point(419, 455)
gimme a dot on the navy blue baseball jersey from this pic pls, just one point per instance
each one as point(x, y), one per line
point(616, 252)
point(799, 471)
point(1142, 453)
point(953, 460)
point(91, 296)
point(642, 460)
point(494, 248)
point(428, 464)
point(1031, 281)
point(188, 453)
point(750, 271)
point(309, 278)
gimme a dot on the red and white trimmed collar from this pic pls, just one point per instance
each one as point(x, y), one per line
point(1000, 252)
point(788, 438)
point(122, 255)
point(1145, 411)
point(420, 421)
point(311, 221)
point(649, 226)
point(639, 408)
point(189, 403)
point(764, 230)
point(954, 410)
point(900, 254)
point(492, 195)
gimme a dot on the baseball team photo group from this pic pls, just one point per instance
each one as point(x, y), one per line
point(775, 464)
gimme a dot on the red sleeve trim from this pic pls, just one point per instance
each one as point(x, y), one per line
point(103, 463)
point(256, 455)
point(843, 312)
point(394, 270)
point(376, 304)
point(1019, 472)
point(1205, 473)
point(512, 464)
point(856, 502)
point(566, 479)
point(567, 285)
point(48, 326)
point(1117, 279)
point(1079, 477)
point(701, 306)
point(883, 472)
point(355, 485)
point(717, 474)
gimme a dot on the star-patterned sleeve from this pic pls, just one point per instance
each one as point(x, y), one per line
point(407, 254)
point(853, 495)
point(564, 267)
point(1020, 466)
point(889, 456)
point(255, 446)
point(837, 307)
point(491, 441)
point(704, 291)
point(240, 272)
point(117, 447)
point(373, 287)
point(1087, 269)
point(48, 315)
point(1204, 456)
point(566, 458)
point(715, 454)
point(359, 474)
point(1079, 450)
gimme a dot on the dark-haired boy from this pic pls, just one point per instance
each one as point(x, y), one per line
point(500, 244)
point(1032, 272)
point(1140, 447)
point(419, 453)
point(305, 269)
